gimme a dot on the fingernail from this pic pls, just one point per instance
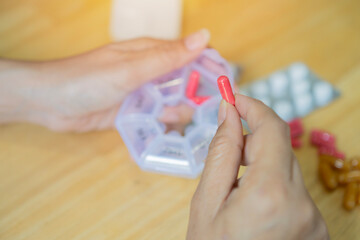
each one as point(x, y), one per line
point(222, 112)
point(197, 40)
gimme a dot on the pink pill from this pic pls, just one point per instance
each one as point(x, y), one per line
point(200, 99)
point(225, 89)
point(320, 138)
point(193, 84)
point(296, 128)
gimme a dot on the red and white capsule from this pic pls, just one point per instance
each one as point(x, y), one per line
point(225, 89)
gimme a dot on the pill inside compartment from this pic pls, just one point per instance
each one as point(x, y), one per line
point(200, 86)
point(138, 132)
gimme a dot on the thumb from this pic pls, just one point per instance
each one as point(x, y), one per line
point(223, 161)
point(171, 55)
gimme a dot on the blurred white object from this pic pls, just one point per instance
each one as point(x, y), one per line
point(303, 104)
point(279, 84)
point(298, 71)
point(260, 89)
point(323, 93)
point(284, 110)
point(149, 18)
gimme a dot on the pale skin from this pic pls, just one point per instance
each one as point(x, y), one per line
point(270, 200)
point(84, 93)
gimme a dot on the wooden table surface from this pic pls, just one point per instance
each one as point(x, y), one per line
point(85, 186)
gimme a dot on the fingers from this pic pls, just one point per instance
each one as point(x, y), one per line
point(138, 44)
point(223, 160)
point(171, 55)
point(269, 150)
point(255, 113)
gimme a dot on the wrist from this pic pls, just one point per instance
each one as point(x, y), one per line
point(17, 79)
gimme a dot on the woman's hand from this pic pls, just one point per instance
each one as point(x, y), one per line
point(85, 92)
point(270, 200)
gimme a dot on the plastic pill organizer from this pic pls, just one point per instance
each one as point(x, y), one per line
point(145, 136)
point(292, 92)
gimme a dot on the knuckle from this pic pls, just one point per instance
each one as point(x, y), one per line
point(274, 200)
point(280, 188)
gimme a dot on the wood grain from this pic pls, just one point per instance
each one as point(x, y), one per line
point(85, 186)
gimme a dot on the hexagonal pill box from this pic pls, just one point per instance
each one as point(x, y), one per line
point(153, 146)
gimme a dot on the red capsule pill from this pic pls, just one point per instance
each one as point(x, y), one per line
point(193, 84)
point(225, 89)
point(296, 128)
point(320, 138)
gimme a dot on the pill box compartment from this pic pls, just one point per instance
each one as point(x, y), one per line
point(143, 101)
point(171, 86)
point(207, 113)
point(171, 155)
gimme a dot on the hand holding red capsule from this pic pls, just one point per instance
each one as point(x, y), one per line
point(270, 193)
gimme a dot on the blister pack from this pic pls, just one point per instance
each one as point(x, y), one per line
point(292, 92)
